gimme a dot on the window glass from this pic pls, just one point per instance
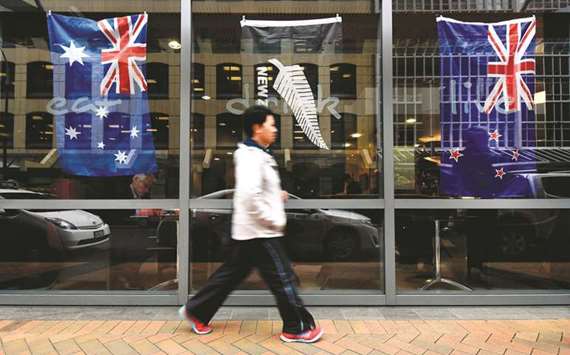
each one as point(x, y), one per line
point(482, 250)
point(456, 135)
point(336, 68)
point(71, 129)
point(331, 249)
point(95, 250)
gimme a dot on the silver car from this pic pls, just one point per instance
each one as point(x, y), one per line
point(58, 230)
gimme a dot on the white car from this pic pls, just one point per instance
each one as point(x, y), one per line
point(59, 230)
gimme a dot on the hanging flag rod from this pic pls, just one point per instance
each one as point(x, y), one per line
point(289, 23)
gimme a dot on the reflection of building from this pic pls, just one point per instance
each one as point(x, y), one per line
point(30, 125)
point(344, 83)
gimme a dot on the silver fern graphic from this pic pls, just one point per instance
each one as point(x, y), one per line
point(292, 84)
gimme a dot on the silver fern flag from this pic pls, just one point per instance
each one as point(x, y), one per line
point(270, 44)
point(291, 83)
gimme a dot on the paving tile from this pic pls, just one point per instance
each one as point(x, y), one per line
point(171, 347)
point(346, 334)
point(16, 346)
point(249, 346)
point(354, 344)
point(248, 327)
point(169, 326)
point(94, 347)
point(343, 326)
point(66, 347)
point(120, 347)
point(198, 347)
point(153, 327)
point(144, 347)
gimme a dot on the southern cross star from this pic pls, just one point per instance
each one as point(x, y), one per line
point(100, 145)
point(121, 157)
point(74, 54)
point(134, 132)
point(72, 133)
point(102, 112)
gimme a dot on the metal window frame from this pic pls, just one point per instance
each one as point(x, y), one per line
point(388, 205)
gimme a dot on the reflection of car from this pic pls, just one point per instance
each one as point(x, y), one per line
point(311, 232)
point(55, 230)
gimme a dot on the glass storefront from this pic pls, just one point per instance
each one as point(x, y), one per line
point(424, 146)
point(331, 249)
point(88, 250)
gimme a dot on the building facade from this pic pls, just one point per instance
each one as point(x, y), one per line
point(369, 221)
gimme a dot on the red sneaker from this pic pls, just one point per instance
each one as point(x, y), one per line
point(310, 336)
point(197, 326)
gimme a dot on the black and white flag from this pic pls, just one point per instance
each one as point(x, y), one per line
point(272, 46)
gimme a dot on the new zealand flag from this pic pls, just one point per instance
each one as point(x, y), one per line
point(487, 107)
point(100, 102)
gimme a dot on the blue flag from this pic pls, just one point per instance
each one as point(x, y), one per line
point(100, 102)
point(487, 107)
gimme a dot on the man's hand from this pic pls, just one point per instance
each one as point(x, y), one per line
point(284, 196)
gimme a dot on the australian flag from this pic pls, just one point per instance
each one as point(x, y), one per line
point(100, 102)
point(487, 107)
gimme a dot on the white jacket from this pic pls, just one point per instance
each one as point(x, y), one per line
point(258, 208)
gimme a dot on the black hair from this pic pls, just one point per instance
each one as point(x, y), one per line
point(256, 114)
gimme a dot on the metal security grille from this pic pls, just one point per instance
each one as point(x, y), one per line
point(417, 95)
point(547, 5)
point(452, 5)
point(479, 5)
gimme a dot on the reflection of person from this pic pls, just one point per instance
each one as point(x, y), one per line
point(130, 252)
point(475, 174)
point(351, 187)
point(476, 169)
point(258, 222)
point(140, 189)
point(141, 185)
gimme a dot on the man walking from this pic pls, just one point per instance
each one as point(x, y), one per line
point(258, 223)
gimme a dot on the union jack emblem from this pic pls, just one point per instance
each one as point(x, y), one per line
point(127, 49)
point(510, 67)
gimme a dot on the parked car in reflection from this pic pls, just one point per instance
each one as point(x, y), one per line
point(311, 233)
point(47, 231)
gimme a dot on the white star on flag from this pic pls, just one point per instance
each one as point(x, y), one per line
point(71, 132)
point(121, 157)
point(134, 132)
point(74, 54)
point(102, 112)
point(100, 145)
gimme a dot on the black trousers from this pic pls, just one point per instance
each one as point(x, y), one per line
point(270, 259)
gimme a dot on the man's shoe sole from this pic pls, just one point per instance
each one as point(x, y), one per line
point(199, 332)
point(299, 340)
point(183, 315)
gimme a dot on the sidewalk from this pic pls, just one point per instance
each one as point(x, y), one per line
point(254, 330)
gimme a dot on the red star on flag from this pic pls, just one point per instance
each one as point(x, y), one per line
point(500, 173)
point(516, 155)
point(494, 136)
point(455, 154)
